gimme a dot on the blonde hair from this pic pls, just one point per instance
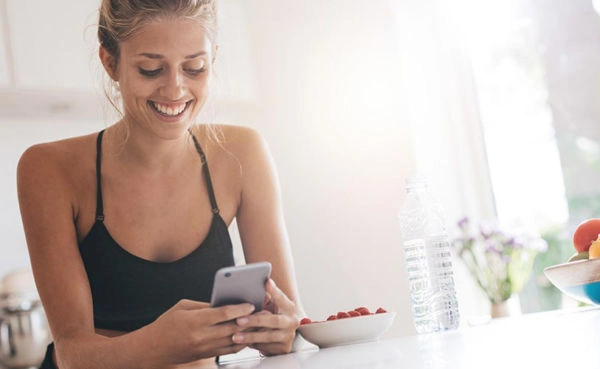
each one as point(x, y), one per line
point(121, 19)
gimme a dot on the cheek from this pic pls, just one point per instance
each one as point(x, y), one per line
point(135, 88)
point(201, 95)
point(200, 87)
point(203, 86)
point(204, 89)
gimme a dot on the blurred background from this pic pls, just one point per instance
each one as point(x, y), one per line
point(493, 100)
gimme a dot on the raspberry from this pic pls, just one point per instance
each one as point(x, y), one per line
point(305, 321)
point(363, 310)
point(353, 313)
point(332, 317)
point(342, 315)
point(380, 310)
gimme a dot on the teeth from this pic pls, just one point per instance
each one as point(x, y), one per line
point(169, 110)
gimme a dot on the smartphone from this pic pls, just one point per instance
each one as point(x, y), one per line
point(240, 284)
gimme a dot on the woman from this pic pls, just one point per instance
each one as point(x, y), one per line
point(126, 227)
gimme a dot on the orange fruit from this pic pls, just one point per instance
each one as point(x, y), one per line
point(594, 252)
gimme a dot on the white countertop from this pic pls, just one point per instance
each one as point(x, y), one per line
point(557, 339)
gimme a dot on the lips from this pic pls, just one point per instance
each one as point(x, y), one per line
point(169, 110)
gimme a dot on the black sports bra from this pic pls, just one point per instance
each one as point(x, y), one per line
point(130, 292)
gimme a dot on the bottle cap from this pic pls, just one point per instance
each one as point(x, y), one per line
point(416, 180)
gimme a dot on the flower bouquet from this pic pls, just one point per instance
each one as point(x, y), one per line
point(500, 261)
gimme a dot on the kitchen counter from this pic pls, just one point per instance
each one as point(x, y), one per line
point(556, 339)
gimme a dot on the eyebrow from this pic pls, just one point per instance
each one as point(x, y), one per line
point(158, 56)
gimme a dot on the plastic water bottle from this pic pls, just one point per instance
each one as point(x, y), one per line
point(428, 260)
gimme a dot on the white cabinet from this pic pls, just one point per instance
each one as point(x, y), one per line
point(49, 62)
point(4, 67)
point(48, 66)
point(53, 44)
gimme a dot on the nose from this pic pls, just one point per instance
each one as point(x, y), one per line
point(174, 85)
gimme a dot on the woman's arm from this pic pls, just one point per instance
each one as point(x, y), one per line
point(47, 211)
point(260, 216)
point(185, 333)
point(264, 237)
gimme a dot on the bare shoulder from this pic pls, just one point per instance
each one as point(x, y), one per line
point(241, 141)
point(56, 154)
point(57, 162)
point(238, 137)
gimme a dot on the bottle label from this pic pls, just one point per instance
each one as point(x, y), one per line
point(431, 284)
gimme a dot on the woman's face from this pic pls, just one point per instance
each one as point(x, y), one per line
point(164, 72)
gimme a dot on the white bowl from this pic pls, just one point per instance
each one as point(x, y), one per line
point(578, 279)
point(347, 331)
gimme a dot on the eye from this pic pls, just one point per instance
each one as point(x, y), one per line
point(195, 72)
point(150, 73)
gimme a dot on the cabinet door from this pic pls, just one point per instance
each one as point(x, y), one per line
point(4, 66)
point(53, 44)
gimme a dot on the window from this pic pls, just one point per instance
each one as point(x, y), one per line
point(535, 68)
point(502, 97)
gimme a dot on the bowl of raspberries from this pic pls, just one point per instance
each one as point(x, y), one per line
point(347, 327)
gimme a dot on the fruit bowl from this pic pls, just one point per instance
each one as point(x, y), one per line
point(347, 331)
point(577, 279)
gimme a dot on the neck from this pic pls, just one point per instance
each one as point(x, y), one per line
point(141, 150)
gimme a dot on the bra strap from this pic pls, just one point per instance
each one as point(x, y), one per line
point(206, 172)
point(99, 204)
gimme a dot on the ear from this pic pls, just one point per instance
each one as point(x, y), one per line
point(109, 62)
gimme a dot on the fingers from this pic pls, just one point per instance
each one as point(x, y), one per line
point(221, 346)
point(220, 314)
point(271, 349)
point(185, 304)
point(214, 344)
point(205, 323)
point(267, 341)
point(271, 333)
point(230, 328)
point(212, 340)
point(284, 316)
point(277, 302)
point(223, 314)
point(280, 336)
point(265, 319)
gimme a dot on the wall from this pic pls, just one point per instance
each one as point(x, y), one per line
point(321, 82)
point(328, 100)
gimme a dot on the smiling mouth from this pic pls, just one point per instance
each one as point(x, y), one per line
point(169, 110)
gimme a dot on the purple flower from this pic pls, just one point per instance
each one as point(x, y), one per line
point(487, 230)
point(499, 260)
point(514, 243)
point(463, 223)
point(492, 246)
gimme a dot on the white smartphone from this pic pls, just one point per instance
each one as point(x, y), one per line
point(239, 284)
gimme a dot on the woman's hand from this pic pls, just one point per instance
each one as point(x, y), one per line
point(191, 330)
point(273, 330)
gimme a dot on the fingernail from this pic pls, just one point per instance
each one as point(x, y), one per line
point(242, 321)
point(237, 338)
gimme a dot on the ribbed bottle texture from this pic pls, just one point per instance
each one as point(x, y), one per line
point(428, 261)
